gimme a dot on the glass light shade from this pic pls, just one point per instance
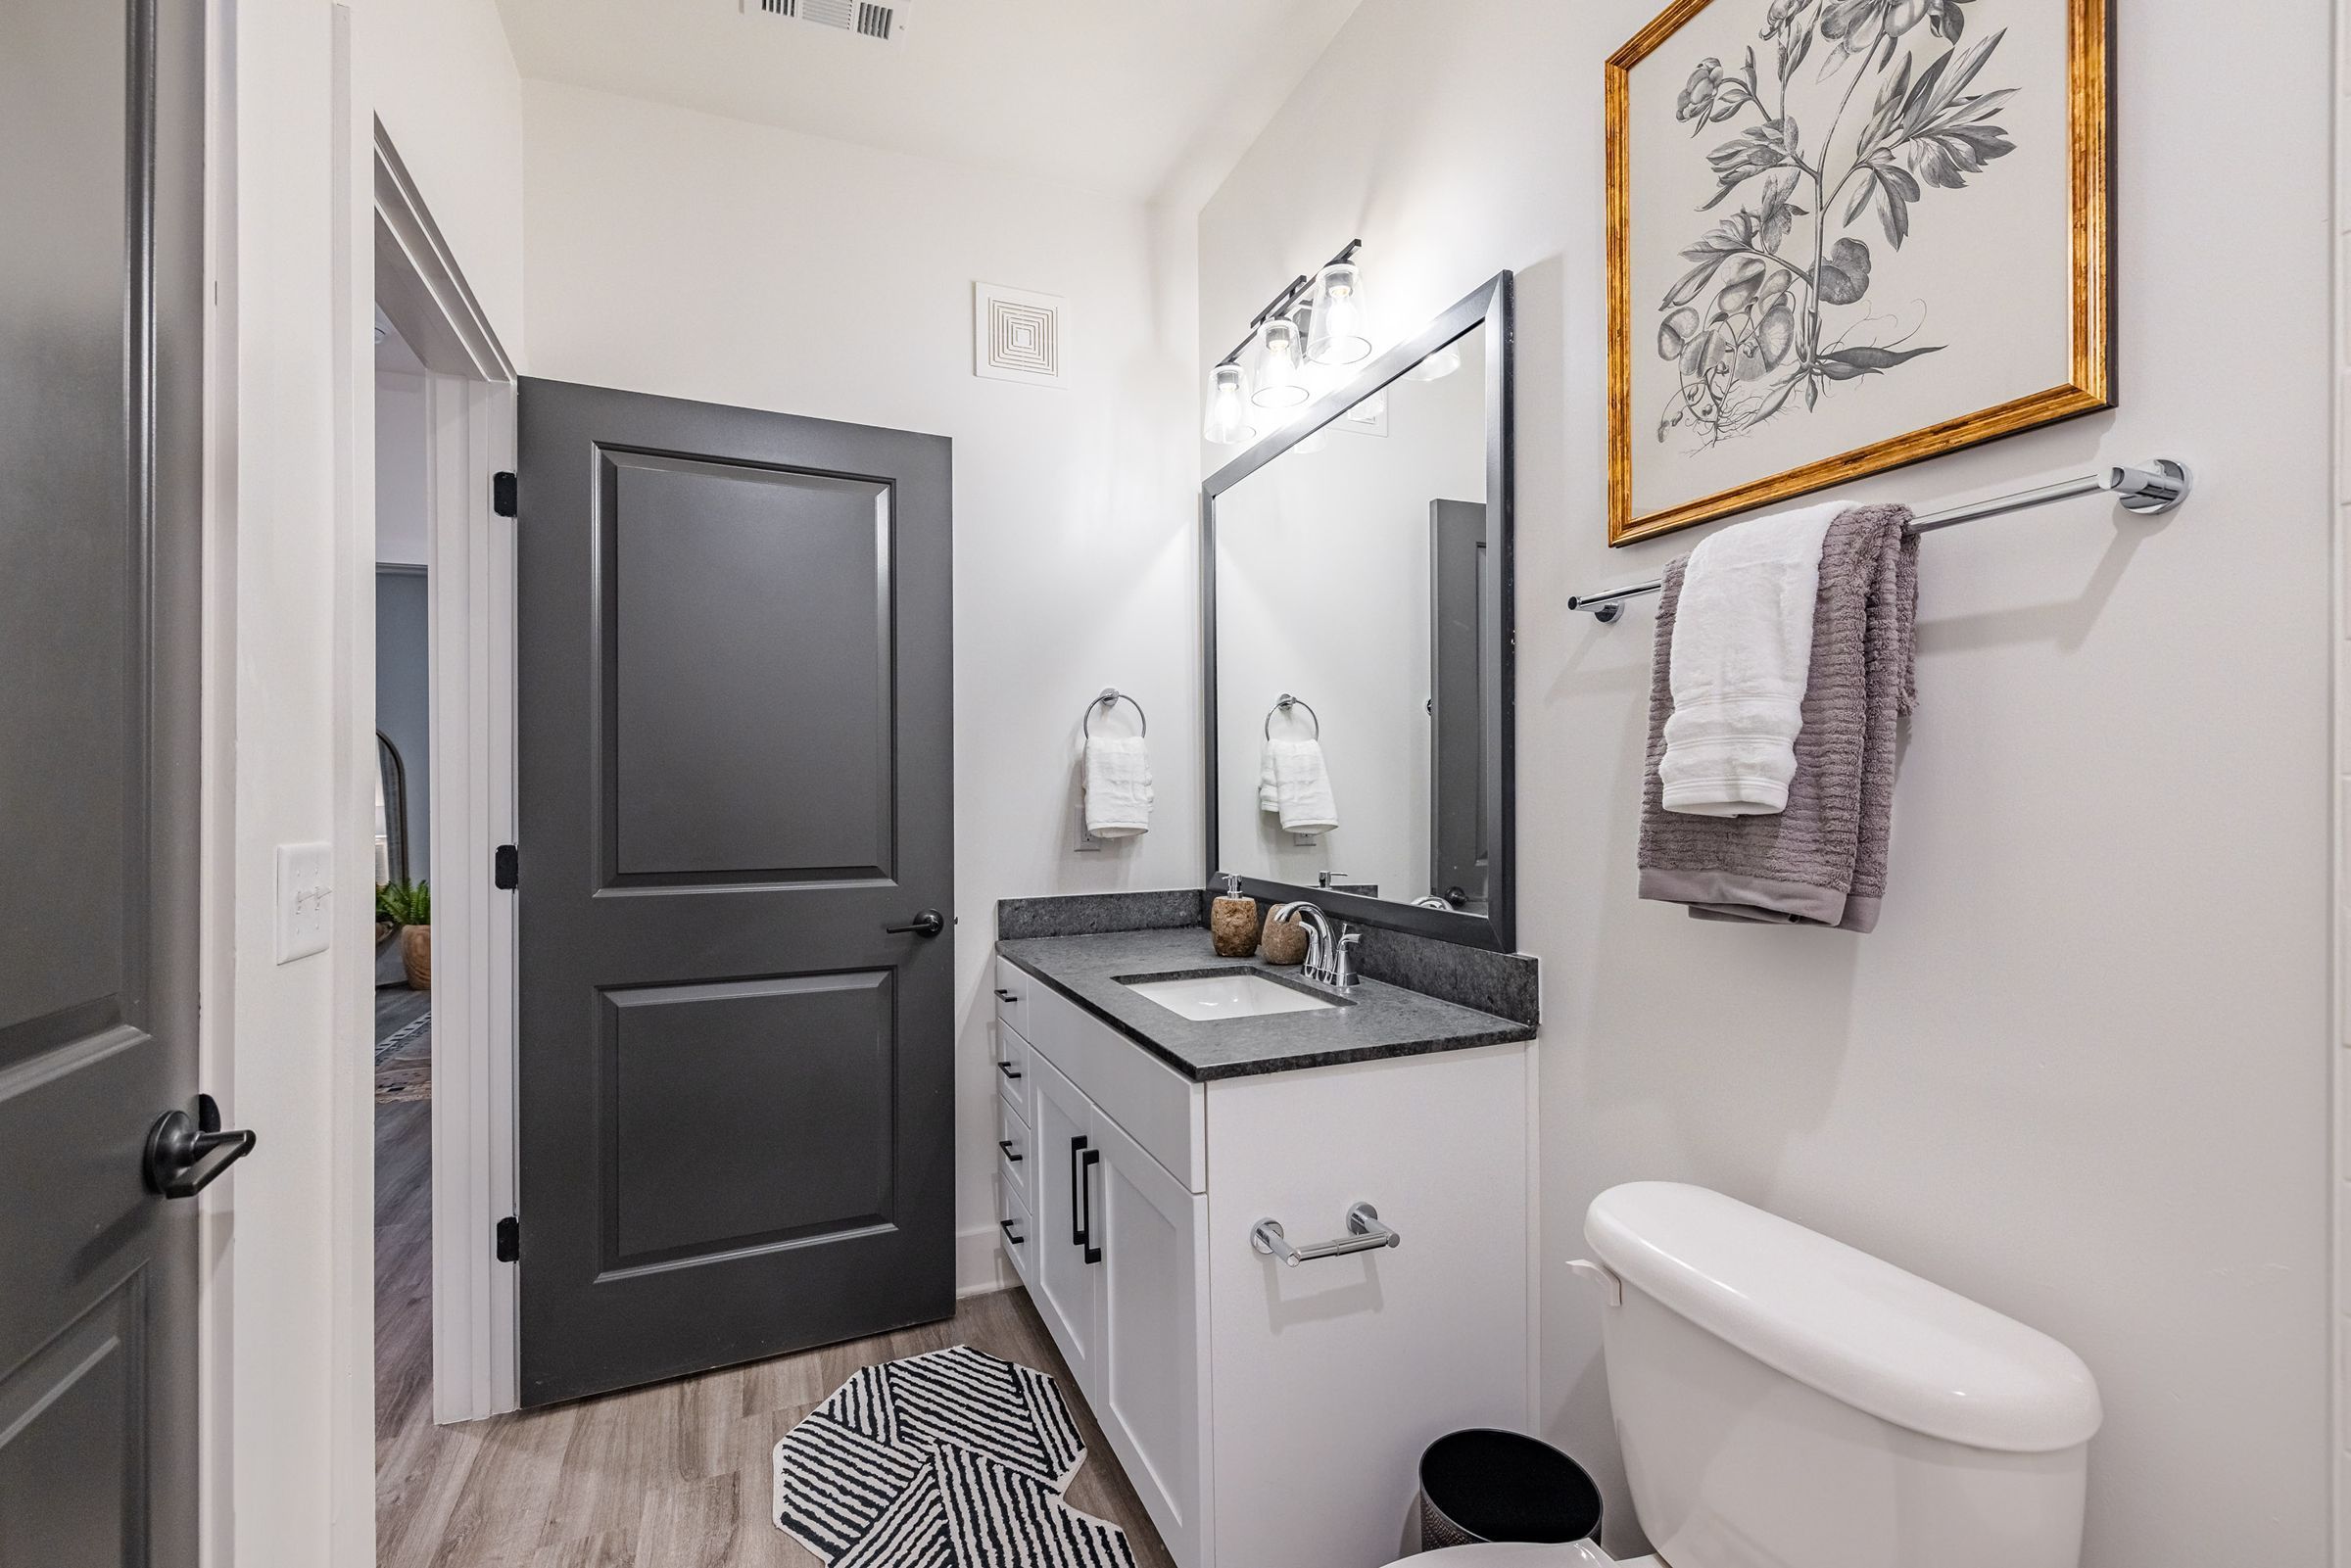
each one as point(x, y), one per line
point(1228, 422)
point(1438, 365)
point(1281, 367)
point(1340, 333)
point(1314, 442)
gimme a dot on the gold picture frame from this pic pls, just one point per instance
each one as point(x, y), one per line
point(2089, 389)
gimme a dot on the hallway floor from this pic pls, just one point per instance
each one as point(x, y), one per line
point(673, 1476)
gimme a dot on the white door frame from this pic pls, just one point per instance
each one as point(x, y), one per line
point(469, 422)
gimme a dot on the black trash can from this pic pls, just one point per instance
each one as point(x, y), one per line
point(1484, 1484)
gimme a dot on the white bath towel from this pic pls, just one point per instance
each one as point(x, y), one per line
point(1118, 786)
point(1741, 655)
point(1269, 793)
point(1302, 788)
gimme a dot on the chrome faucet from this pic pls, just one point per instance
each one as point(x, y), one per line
point(1329, 954)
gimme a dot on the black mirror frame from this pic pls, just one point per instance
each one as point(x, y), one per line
point(1490, 306)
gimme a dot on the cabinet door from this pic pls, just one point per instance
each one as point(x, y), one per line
point(1147, 1392)
point(1063, 1284)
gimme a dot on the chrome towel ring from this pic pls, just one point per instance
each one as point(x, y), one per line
point(1288, 702)
point(1110, 697)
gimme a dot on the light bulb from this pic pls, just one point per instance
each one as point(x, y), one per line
point(1341, 335)
point(1227, 407)
point(1438, 365)
point(1281, 383)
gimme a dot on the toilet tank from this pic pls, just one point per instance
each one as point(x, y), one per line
point(1784, 1400)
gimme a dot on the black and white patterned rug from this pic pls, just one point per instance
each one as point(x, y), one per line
point(954, 1459)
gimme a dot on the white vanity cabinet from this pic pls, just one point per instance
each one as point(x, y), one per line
point(1270, 1417)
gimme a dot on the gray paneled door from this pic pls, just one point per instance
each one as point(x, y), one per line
point(736, 1078)
point(100, 349)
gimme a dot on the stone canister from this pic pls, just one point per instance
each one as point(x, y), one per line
point(1283, 942)
point(1232, 922)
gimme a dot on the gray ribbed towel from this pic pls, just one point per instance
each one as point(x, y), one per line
point(1822, 861)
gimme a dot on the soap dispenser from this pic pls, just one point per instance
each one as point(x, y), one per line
point(1232, 921)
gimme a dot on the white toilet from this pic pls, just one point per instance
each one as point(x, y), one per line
point(1784, 1400)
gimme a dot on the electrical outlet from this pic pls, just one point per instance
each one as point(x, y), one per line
point(306, 893)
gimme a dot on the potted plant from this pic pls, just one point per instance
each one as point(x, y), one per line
point(410, 906)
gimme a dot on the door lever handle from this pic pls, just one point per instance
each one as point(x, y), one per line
point(930, 923)
point(184, 1157)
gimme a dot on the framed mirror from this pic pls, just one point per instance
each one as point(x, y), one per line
point(1357, 595)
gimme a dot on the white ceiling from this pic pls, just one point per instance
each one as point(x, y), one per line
point(1114, 95)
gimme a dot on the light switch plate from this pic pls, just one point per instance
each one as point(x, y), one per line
point(305, 892)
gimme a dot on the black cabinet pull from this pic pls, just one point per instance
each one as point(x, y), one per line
point(1005, 1068)
point(1086, 1165)
point(1002, 995)
point(930, 923)
point(1077, 1187)
point(1017, 1241)
point(1005, 1144)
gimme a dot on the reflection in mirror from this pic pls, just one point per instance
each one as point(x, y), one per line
point(1351, 574)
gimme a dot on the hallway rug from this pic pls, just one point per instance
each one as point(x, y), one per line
point(953, 1459)
point(404, 1062)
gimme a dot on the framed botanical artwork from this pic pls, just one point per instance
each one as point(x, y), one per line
point(1845, 235)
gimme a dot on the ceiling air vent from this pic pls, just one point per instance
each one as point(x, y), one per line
point(861, 17)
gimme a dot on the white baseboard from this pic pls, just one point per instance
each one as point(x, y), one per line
point(979, 1266)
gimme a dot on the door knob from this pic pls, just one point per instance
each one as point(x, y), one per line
point(183, 1156)
point(930, 923)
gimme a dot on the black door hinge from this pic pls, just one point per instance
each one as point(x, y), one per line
point(503, 495)
point(510, 1240)
point(505, 868)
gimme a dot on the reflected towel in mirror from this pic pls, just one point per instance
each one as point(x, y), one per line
point(1301, 787)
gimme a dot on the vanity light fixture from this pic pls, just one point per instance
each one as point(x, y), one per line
point(1280, 367)
point(1314, 322)
point(1340, 334)
point(1228, 406)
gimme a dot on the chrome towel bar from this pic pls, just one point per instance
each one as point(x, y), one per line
point(1364, 1233)
point(2148, 492)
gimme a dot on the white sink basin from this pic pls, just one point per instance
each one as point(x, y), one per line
point(1242, 994)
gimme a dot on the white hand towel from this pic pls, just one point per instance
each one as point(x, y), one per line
point(1302, 778)
point(1269, 792)
point(1741, 655)
point(1118, 786)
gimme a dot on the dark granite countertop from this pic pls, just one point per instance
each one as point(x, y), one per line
point(1375, 1022)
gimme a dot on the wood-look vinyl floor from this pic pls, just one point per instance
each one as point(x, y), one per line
point(672, 1476)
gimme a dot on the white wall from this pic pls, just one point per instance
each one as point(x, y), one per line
point(400, 468)
point(2081, 1072)
point(288, 1409)
point(443, 81)
point(678, 253)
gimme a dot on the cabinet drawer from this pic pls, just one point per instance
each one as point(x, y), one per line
point(1013, 1070)
point(1015, 1233)
point(1015, 1156)
point(1012, 995)
point(1159, 1107)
